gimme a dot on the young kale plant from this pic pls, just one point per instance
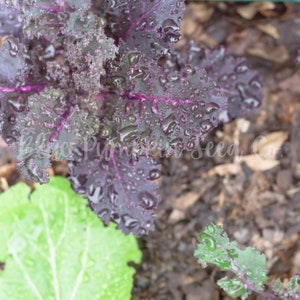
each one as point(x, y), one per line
point(248, 267)
point(100, 84)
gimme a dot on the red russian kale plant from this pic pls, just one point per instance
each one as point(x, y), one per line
point(100, 84)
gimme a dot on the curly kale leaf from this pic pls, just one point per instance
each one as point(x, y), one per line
point(235, 80)
point(118, 186)
point(149, 26)
point(48, 19)
point(149, 107)
point(54, 126)
point(82, 62)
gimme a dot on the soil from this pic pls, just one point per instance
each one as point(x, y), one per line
point(251, 184)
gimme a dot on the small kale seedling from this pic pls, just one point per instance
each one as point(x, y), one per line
point(100, 84)
point(248, 266)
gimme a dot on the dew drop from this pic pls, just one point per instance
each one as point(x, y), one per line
point(190, 145)
point(104, 165)
point(116, 217)
point(251, 102)
point(141, 231)
point(232, 77)
point(170, 128)
point(232, 253)
point(131, 118)
point(242, 68)
point(18, 105)
point(255, 84)
point(129, 222)
point(223, 78)
point(210, 228)
point(49, 52)
point(12, 119)
point(133, 58)
point(212, 107)
point(208, 240)
point(162, 81)
point(154, 174)
point(118, 80)
point(147, 200)
point(205, 126)
point(113, 196)
point(194, 107)
point(94, 193)
point(13, 46)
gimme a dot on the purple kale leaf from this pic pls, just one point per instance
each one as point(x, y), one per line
point(149, 26)
point(47, 103)
point(149, 107)
point(10, 20)
point(81, 64)
point(48, 18)
point(234, 78)
point(12, 73)
point(119, 187)
point(59, 121)
point(12, 61)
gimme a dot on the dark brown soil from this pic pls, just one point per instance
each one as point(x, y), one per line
point(253, 191)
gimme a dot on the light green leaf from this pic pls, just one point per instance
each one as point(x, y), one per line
point(55, 248)
point(233, 287)
point(289, 290)
point(248, 265)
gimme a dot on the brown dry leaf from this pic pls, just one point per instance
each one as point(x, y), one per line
point(295, 143)
point(176, 216)
point(249, 11)
point(257, 163)
point(201, 11)
point(4, 184)
point(7, 170)
point(296, 263)
point(190, 28)
point(291, 84)
point(3, 143)
point(185, 201)
point(51, 172)
point(269, 29)
point(223, 170)
point(207, 39)
point(268, 146)
point(278, 54)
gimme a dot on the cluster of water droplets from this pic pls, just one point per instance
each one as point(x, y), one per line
point(118, 188)
point(235, 80)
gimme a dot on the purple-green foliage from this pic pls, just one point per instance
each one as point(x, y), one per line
point(105, 73)
point(247, 266)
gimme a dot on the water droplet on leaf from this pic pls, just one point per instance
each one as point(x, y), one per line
point(147, 200)
point(208, 240)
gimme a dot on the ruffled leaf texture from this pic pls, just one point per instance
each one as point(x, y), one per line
point(54, 247)
point(47, 103)
point(152, 27)
point(47, 18)
point(248, 265)
point(120, 188)
point(234, 78)
point(59, 121)
point(149, 107)
point(289, 289)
